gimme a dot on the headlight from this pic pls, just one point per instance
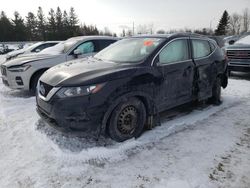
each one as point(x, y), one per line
point(79, 91)
point(21, 68)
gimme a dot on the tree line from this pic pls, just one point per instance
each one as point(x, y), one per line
point(57, 25)
point(234, 24)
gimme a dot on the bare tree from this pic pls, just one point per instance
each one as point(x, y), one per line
point(245, 20)
point(129, 33)
point(145, 29)
point(235, 23)
point(161, 31)
point(107, 32)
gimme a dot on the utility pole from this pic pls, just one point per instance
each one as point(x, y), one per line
point(133, 28)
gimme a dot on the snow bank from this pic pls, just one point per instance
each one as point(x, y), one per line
point(180, 153)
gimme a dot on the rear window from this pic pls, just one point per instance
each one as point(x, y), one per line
point(201, 48)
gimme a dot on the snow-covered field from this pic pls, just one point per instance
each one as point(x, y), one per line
point(206, 147)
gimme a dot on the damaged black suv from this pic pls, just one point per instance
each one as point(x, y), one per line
point(122, 88)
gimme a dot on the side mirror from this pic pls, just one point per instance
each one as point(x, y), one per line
point(37, 50)
point(77, 52)
point(231, 42)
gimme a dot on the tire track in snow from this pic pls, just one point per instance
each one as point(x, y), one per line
point(98, 156)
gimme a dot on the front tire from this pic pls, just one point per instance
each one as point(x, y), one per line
point(127, 120)
point(216, 97)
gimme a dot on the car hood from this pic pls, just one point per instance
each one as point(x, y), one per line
point(28, 58)
point(238, 46)
point(15, 52)
point(85, 71)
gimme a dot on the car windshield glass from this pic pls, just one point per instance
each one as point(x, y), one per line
point(244, 40)
point(31, 47)
point(130, 50)
point(61, 47)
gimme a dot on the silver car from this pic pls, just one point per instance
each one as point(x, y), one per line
point(23, 72)
point(34, 48)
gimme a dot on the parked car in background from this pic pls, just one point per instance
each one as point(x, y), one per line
point(5, 49)
point(230, 40)
point(124, 86)
point(23, 72)
point(239, 55)
point(37, 47)
point(219, 40)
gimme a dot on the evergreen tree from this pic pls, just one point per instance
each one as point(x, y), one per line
point(223, 24)
point(52, 27)
point(73, 21)
point(41, 24)
point(31, 27)
point(65, 23)
point(6, 28)
point(59, 24)
point(19, 27)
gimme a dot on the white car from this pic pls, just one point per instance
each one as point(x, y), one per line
point(34, 48)
point(23, 72)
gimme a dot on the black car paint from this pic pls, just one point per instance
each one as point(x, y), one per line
point(154, 85)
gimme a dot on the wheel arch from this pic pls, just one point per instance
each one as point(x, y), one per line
point(144, 98)
point(35, 74)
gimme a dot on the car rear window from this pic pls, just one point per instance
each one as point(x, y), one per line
point(201, 48)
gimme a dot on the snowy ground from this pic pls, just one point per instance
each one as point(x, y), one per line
point(206, 147)
point(2, 59)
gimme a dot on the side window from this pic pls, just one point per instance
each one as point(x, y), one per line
point(201, 48)
point(174, 52)
point(104, 43)
point(212, 46)
point(39, 48)
point(86, 47)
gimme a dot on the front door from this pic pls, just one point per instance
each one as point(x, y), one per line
point(177, 68)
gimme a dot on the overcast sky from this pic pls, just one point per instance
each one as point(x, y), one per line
point(163, 14)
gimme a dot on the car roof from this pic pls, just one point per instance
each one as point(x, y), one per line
point(92, 37)
point(44, 42)
point(171, 35)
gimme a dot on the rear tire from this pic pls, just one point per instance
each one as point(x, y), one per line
point(216, 97)
point(127, 120)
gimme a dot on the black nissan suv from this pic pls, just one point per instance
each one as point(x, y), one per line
point(123, 88)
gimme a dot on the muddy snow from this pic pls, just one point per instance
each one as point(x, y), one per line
point(201, 147)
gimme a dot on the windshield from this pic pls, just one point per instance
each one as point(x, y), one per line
point(244, 40)
point(31, 47)
point(61, 47)
point(129, 50)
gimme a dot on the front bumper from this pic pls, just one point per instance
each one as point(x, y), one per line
point(74, 113)
point(239, 65)
point(15, 80)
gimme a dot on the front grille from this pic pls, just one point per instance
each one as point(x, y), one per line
point(238, 54)
point(3, 71)
point(44, 89)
